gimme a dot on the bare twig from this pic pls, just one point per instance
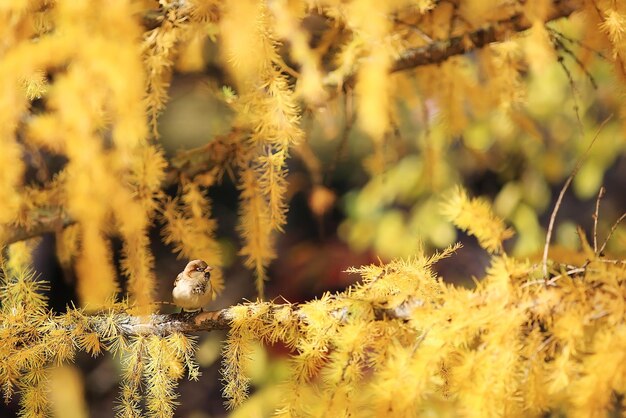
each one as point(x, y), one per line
point(554, 279)
point(544, 344)
point(560, 198)
point(600, 260)
point(532, 283)
point(608, 237)
point(577, 42)
point(595, 219)
point(437, 51)
point(560, 45)
point(440, 50)
point(570, 80)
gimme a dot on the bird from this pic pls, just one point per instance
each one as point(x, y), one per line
point(192, 287)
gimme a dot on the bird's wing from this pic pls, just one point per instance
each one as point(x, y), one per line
point(178, 278)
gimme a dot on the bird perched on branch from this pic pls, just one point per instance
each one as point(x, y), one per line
point(192, 287)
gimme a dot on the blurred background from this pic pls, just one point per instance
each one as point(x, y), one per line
point(345, 209)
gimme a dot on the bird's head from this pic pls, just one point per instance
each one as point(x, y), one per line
point(197, 268)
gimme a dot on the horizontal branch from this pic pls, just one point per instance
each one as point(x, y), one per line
point(43, 224)
point(440, 50)
point(187, 322)
point(187, 163)
point(165, 324)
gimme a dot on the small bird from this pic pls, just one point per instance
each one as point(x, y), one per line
point(192, 287)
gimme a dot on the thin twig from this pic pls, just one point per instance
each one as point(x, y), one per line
point(601, 260)
point(561, 45)
point(570, 80)
point(414, 28)
point(577, 42)
point(531, 283)
point(608, 237)
point(595, 219)
point(436, 51)
point(544, 344)
point(568, 273)
point(286, 68)
point(599, 315)
point(560, 198)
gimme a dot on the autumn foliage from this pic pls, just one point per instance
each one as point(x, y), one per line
point(421, 96)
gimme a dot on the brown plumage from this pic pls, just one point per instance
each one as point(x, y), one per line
point(192, 287)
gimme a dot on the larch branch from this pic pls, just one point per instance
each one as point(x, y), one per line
point(221, 320)
point(189, 322)
point(44, 223)
point(195, 161)
point(186, 163)
point(165, 324)
point(440, 50)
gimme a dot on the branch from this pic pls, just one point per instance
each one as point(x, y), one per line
point(197, 160)
point(439, 51)
point(221, 320)
point(44, 223)
point(165, 324)
point(189, 163)
point(557, 205)
point(187, 322)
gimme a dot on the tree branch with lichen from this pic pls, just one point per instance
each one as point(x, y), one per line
point(220, 320)
point(165, 324)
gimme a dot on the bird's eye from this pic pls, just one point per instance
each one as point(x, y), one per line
point(199, 269)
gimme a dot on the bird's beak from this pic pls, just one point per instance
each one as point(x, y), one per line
point(208, 269)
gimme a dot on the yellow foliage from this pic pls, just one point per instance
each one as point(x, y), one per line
point(101, 92)
point(401, 342)
point(510, 347)
point(66, 390)
point(476, 217)
point(189, 227)
point(82, 87)
point(614, 24)
point(373, 85)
